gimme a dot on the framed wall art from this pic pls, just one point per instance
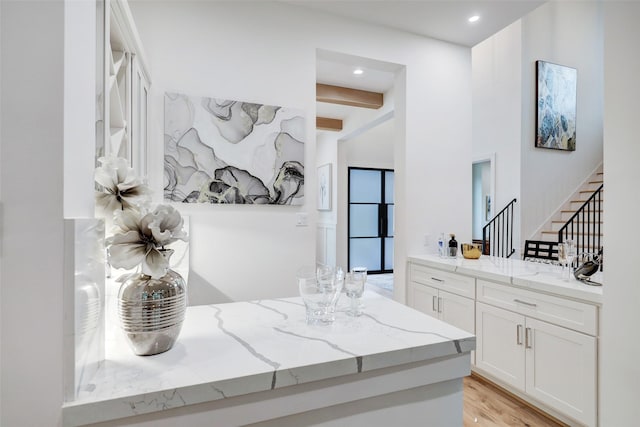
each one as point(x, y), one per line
point(324, 187)
point(556, 98)
point(219, 151)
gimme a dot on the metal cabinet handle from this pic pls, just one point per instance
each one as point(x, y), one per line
point(439, 305)
point(433, 303)
point(530, 304)
point(436, 279)
point(519, 334)
point(527, 338)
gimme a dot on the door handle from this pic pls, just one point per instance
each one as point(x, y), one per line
point(439, 305)
point(433, 303)
point(519, 334)
point(527, 338)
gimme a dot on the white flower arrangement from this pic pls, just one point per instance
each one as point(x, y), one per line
point(118, 188)
point(140, 235)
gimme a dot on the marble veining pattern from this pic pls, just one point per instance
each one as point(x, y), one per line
point(228, 350)
point(529, 275)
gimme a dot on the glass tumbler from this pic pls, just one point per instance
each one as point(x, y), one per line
point(319, 289)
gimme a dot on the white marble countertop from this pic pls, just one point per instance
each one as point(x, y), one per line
point(530, 275)
point(233, 349)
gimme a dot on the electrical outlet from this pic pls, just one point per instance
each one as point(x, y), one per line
point(302, 219)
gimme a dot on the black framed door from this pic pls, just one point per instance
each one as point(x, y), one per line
point(370, 219)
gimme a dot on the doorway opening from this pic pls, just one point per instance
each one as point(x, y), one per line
point(370, 219)
point(482, 196)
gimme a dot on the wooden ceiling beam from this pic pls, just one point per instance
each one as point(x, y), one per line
point(347, 96)
point(325, 123)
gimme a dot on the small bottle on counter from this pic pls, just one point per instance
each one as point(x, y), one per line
point(453, 246)
point(441, 249)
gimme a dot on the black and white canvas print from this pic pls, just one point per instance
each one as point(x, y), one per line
point(224, 151)
point(556, 106)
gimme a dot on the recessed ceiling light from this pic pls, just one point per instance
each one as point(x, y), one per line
point(358, 71)
point(474, 18)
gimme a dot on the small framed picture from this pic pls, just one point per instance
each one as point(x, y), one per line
point(324, 187)
point(487, 207)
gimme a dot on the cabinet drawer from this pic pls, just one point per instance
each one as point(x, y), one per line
point(563, 312)
point(451, 282)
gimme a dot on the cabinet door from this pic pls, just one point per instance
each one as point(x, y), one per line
point(457, 311)
point(423, 298)
point(500, 344)
point(561, 369)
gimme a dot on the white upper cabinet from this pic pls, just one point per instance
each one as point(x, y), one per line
point(126, 85)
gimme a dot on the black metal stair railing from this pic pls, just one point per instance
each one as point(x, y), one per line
point(497, 235)
point(585, 226)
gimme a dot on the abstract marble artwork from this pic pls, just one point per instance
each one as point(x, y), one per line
point(556, 106)
point(223, 151)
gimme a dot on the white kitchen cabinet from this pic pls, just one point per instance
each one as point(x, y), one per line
point(561, 369)
point(500, 344)
point(552, 364)
point(123, 97)
point(444, 296)
point(423, 298)
point(450, 308)
point(536, 335)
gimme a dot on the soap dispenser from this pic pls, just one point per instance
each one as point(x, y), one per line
point(453, 246)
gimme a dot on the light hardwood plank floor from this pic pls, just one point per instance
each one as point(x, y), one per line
point(487, 405)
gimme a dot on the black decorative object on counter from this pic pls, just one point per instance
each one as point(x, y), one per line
point(453, 246)
point(588, 269)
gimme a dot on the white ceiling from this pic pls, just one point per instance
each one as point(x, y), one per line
point(440, 19)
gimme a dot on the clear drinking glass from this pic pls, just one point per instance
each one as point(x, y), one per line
point(570, 255)
point(562, 256)
point(320, 288)
point(354, 287)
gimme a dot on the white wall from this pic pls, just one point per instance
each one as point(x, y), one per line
point(621, 348)
point(327, 153)
point(31, 174)
point(566, 33)
point(265, 52)
point(497, 100)
point(504, 114)
point(374, 148)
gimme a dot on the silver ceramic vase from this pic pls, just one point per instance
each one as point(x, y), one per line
point(151, 311)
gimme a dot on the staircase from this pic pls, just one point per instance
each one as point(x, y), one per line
point(591, 222)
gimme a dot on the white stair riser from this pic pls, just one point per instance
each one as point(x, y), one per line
point(577, 205)
point(556, 226)
point(592, 187)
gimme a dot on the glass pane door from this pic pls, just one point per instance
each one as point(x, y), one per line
point(371, 219)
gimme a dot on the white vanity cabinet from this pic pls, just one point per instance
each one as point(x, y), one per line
point(445, 296)
point(551, 363)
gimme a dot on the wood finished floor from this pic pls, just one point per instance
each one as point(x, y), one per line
point(486, 405)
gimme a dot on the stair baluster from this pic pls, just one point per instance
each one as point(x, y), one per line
point(584, 227)
point(497, 235)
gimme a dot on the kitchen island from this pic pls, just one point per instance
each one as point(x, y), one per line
point(259, 363)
